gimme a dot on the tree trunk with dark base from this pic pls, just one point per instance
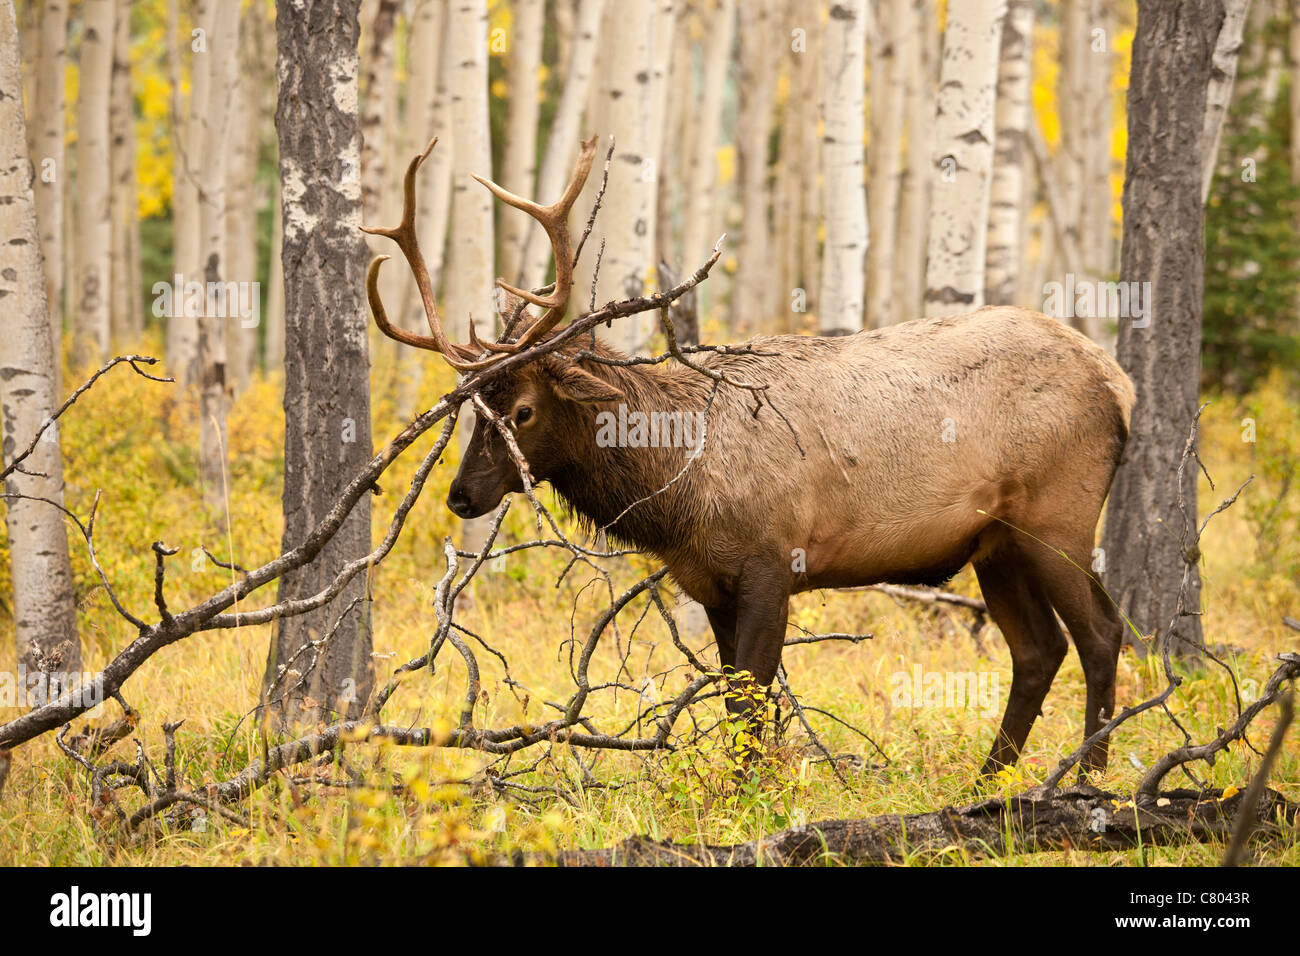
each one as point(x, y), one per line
point(44, 607)
point(326, 362)
point(1164, 246)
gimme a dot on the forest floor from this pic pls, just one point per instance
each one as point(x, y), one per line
point(135, 440)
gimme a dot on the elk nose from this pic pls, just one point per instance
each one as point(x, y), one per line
point(458, 502)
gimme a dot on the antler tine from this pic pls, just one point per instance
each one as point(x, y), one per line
point(555, 220)
point(404, 235)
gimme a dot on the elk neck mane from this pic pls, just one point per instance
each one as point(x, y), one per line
point(600, 482)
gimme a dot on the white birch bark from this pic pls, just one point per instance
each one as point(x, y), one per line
point(94, 224)
point(562, 143)
point(963, 157)
point(241, 224)
point(125, 322)
point(810, 37)
point(623, 108)
point(677, 137)
point(703, 222)
point(470, 275)
point(470, 285)
point(519, 161)
point(212, 356)
point(48, 138)
point(425, 117)
point(1095, 217)
point(1219, 93)
point(845, 199)
point(661, 76)
point(885, 160)
point(1007, 193)
point(757, 83)
point(44, 606)
point(1071, 97)
point(918, 57)
point(193, 47)
point(1293, 43)
point(789, 174)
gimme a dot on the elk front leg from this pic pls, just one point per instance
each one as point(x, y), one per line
point(762, 605)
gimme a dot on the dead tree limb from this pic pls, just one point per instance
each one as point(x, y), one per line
point(1075, 818)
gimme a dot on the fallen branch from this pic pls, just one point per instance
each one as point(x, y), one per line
point(1076, 818)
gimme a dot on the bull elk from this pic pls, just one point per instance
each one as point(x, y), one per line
point(905, 453)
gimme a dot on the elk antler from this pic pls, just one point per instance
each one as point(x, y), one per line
point(459, 357)
point(555, 220)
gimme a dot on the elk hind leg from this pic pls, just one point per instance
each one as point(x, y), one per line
point(1098, 631)
point(1019, 605)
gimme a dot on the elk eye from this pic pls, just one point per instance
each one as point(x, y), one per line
point(523, 415)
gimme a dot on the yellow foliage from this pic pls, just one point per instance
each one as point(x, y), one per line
point(726, 159)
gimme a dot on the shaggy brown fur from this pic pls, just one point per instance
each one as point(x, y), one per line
point(910, 452)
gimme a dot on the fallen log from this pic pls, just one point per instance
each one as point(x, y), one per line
point(1080, 817)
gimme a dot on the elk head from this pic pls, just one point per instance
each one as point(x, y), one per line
point(538, 402)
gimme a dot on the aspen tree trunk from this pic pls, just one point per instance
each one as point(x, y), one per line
point(379, 88)
point(44, 605)
point(1029, 245)
point(562, 143)
point(126, 322)
point(1095, 217)
point(241, 223)
point(94, 225)
point(1293, 40)
point(1218, 96)
point(623, 108)
point(214, 390)
point(470, 274)
point(378, 85)
point(1071, 96)
point(703, 220)
point(963, 157)
point(885, 161)
point(845, 202)
point(787, 210)
point(470, 286)
point(807, 39)
point(183, 328)
point(1007, 195)
point(1264, 59)
point(51, 174)
point(665, 44)
point(326, 361)
point(426, 116)
point(757, 84)
point(30, 56)
point(429, 96)
point(677, 137)
point(519, 161)
point(918, 57)
point(566, 20)
point(1164, 245)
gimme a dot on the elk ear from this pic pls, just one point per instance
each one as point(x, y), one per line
point(578, 385)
